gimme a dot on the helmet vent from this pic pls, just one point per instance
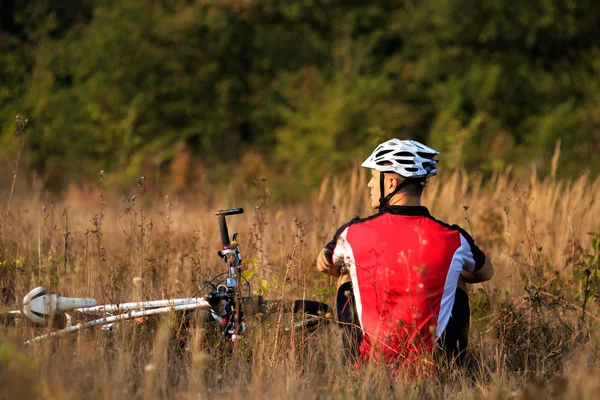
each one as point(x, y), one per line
point(404, 154)
point(426, 155)
point(383, 153)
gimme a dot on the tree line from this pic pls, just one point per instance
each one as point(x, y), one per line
point(309, 85)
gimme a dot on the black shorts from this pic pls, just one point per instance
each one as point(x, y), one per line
point(348, 321)
point(452, 342)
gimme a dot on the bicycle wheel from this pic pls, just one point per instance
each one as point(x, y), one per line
point(306, 314)
point(309, 307)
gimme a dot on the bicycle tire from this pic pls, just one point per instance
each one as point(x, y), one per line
point(310, 307)
point(314, 313)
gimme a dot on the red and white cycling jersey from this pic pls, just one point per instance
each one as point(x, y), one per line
point(404, 266)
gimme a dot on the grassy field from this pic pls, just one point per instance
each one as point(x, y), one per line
point(534, 327)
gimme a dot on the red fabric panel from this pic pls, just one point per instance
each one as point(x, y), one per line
point(401, 268)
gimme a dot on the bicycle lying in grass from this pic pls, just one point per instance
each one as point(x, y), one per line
point(226, 304)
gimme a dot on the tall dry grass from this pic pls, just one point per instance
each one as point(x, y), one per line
point(534, 326)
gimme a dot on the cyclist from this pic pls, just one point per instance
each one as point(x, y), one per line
point(402, 273)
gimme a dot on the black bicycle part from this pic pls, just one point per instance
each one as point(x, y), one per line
point(314, 313)
point(310, 307)
point(213, 298)
point(223, 223)
point(255, 305)
point(230, 211)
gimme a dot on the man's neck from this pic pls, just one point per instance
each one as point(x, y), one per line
point(401, 199)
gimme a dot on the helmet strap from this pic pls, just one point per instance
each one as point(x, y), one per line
point(383, 200)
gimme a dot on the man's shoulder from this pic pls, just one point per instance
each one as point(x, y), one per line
point(452, 227)
point(356, 221)
point(359, 221)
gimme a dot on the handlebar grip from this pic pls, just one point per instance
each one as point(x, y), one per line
point(231, 211)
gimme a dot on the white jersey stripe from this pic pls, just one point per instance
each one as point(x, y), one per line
point(343, 253)
point(462, 257)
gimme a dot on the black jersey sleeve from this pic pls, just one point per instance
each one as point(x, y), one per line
point(333, 243)
point(478, 254)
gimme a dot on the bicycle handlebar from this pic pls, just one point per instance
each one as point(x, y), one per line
point(223, 223)
point(231, 211)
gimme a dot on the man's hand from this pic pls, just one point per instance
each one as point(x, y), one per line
point(325, 265)
point(484, 274)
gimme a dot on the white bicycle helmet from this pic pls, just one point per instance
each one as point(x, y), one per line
point(407, 158)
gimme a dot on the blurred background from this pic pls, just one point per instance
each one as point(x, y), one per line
point(192, 93)
point(144, 117)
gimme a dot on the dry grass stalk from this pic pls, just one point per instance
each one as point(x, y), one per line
point(528, 328)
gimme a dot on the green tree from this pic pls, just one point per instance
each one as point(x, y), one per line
point(309, 84)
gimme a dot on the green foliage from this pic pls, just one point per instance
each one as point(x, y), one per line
point(323, 126)
point(11, 355)
point(310, 84)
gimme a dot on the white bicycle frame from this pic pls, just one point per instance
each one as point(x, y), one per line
point(41, 307)
point(198, 304)
point(115, 308)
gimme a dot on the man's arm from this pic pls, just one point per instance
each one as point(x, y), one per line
point(483, 274)
point(325, 265)
point(331, 259)
point(478, 267)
